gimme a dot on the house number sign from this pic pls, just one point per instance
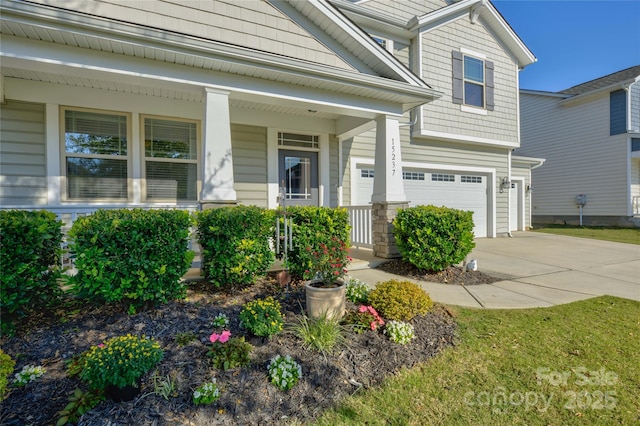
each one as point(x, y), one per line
point(393, 157)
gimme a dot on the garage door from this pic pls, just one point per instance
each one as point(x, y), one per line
point(463, 191)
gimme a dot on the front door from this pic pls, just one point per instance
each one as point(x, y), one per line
point(298, 176)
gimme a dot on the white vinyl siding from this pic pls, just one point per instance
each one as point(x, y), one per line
point(581, 156)
point(249, 146)
point(22, 154)
point(634, 93)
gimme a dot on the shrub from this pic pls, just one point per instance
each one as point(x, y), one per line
point(400, 300)
point(132, 256)
point(6, 368)
point(328, 262)
point(29, 262)
point(357, 291)
point(433, 238)
point(79, 403)
point(313, 226)
point(235, 244)
point(230, 354)
point(399, 332)
point(284, 372)
point(262, 317)
point(365, 318)
point(323, 334)
point(120, 361)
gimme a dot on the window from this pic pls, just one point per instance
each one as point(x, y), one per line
point(300, 141)
point(470, 179)
point(412, 175)
point(617, 112)
point(382, 42)
point(472, 81)
point(439, 177)
point(366, 173)
point(95, 155)
point(171, 159)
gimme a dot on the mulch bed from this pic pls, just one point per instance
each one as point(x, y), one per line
point(247, 397)
point(451, 275)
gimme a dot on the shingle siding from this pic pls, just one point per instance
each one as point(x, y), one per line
point(250, 23)
point(634, 92)
point(443, 115)
point(23, 179)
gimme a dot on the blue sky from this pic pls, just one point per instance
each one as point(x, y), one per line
point(574, 40)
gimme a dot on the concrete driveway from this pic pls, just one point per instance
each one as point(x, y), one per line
point(538, 270)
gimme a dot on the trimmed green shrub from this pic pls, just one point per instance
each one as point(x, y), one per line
point(6, 368)
point(433, 238)
point(131, 256)
point(235, 244)
point(29, 262)
point(313, 227)
point(399, 300)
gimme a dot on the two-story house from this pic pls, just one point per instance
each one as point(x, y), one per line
point(590, 135)
point(194, 104)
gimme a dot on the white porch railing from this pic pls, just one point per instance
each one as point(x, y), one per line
point(361, 226)
point(635, 205)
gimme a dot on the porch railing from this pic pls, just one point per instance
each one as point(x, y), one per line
point(635, 205)
point(361, 226)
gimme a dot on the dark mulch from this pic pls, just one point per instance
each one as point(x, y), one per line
point(451, 275)
point(247, 396)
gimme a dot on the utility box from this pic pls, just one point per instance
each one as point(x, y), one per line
point(581, 199)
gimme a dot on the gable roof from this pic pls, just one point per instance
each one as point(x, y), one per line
point(623, 77)
point(475, 9)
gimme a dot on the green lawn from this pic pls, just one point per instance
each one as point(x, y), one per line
point(569, 364)
point(620, 235)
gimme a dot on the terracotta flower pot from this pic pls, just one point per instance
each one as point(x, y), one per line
point(329, 301)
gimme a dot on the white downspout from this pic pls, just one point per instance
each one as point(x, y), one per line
point(509, 194)
point(340, 174)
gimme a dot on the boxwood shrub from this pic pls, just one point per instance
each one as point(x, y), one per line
point(313, 226)
point(235, 244)
point(433, 238)
point(29, 262)
point(137, 257)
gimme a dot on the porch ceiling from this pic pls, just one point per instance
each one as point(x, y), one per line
point(186, 93)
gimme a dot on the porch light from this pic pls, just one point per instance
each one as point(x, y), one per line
point(505, 183)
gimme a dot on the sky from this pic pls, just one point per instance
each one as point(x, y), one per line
point(574, 41)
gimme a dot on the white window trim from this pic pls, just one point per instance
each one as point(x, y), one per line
point(476, 109)
point(142, 164)
point(64, 195)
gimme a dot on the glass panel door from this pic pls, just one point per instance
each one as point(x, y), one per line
point(299, 177)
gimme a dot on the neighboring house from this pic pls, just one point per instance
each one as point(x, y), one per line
point(590, 136)
point(194, 104)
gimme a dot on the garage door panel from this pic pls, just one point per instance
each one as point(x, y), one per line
point(450, 189)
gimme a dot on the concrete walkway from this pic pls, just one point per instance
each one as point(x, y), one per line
point(539, 270)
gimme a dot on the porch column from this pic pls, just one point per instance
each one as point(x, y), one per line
point(388, 186)
point(217, 162)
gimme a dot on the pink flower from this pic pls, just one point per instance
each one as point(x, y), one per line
point(225, 336)
point(214, 337)
point(101, 345)
point(362, 308)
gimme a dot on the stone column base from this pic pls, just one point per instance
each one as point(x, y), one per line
point(383, 214)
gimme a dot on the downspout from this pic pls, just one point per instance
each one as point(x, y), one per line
point(509, 195)
point(340, 173)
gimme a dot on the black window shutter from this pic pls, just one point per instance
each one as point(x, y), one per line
point(458, 86)
point(617, 112)
point(488, 81)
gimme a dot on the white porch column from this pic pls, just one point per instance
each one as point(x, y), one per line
point(388, 187)
point(387, 181)
point(217, 163)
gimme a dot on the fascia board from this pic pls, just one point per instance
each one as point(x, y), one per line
point(504, 30)
point(543, 93)
point(473, 140)
point(378, 22)
point(446, 13)
point(150, 38)
point(583, 96)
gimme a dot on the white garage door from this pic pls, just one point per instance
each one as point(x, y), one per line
point(463, 191)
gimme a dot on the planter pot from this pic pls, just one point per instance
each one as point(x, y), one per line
point(124, 394)
point(329, 301)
